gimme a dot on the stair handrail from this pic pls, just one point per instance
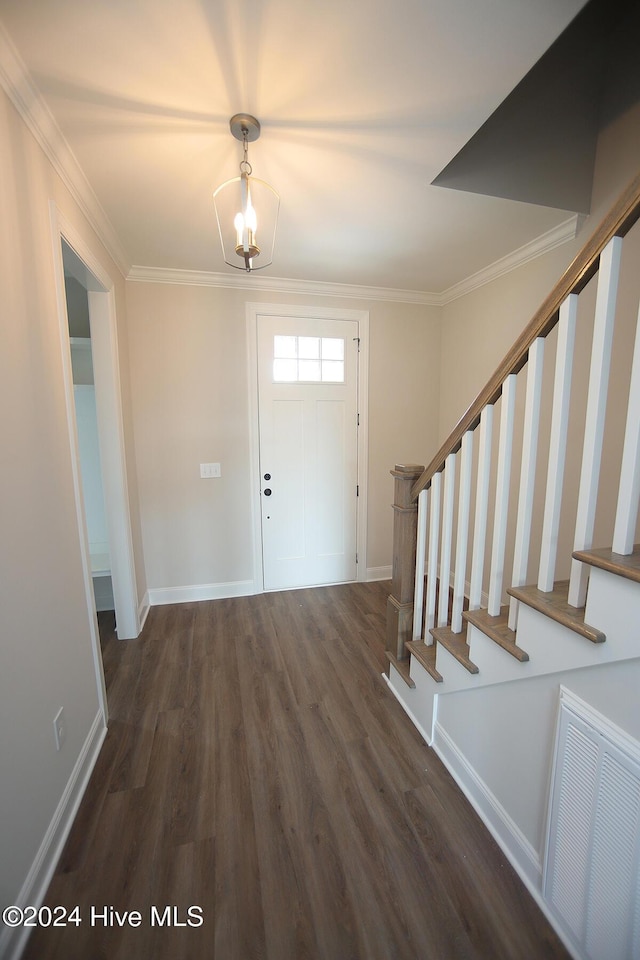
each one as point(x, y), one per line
point(617, 223)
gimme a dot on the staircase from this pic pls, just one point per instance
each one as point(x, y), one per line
point(517, 487)
point(499, 530)
point(515, 600)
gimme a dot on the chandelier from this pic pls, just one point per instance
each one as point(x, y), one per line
point(246, 208)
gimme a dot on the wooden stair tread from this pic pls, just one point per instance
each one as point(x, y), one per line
point(426, 656)
point(456, 644)
point(555, 605)
point(402, 666)
point(497, 629)
point(627, 566)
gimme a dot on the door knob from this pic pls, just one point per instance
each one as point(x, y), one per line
point(267, 492)
point(267, 476)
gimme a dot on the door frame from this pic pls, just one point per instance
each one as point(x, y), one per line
point(104, 345)
point(253, 311)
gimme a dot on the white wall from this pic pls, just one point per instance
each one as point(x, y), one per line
point(188, 356)
point(45, 649)
point(506, 734)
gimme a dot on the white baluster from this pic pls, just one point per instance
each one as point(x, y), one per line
point(482, 504)
point(502, 495)
point(527, 472)
point(464, 501)
point(432, 566)
point(557, 442)
point(596, 409)
point(445, 545)
point(421, 546)
point(629, 491)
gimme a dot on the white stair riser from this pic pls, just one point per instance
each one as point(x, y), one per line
point(555, 647)
point(492, 661)
point(613, 606)
point(454, 675)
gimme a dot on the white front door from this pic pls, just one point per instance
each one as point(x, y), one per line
point(307, 395)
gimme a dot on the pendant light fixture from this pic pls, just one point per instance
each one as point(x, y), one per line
point(246, 208)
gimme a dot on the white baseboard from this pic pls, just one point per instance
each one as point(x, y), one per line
point(158, 596)
point(518, 850)
point(423, 733)
point(34, 888)
point(143, 610)
point(505, 831)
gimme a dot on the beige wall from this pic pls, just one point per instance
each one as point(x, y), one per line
point(403, 407)
point(188, 355)
point(45, 650)
point(478, 329)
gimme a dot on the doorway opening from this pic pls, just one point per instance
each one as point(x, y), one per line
point(86, 309)
point(84, 396)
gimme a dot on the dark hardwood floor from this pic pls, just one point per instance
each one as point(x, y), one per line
point(257, 767)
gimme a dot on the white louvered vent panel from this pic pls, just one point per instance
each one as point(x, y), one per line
point(573, 804)
point(635, 936)
point(612, 889)
point(592, 879)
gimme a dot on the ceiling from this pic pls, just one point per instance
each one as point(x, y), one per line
point(362, 104)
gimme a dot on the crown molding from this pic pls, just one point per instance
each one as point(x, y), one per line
point(17, 83)
point(565, 231)
point(27, 99)
point(342, 291)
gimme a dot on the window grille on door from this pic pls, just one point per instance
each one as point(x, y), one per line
point(308, 359)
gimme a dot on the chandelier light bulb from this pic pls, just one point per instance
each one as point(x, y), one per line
point(250, 218)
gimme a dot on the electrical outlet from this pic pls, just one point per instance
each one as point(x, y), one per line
point(59, 728)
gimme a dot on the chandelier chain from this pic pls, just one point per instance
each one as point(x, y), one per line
point(245, 166)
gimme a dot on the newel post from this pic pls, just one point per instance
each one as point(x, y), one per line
point(405, 525)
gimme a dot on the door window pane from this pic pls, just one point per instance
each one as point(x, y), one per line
point(333, 371)
point(309, 370)
point(309, 348)
point(285, 371)
point(332, 348)
point(284, 347)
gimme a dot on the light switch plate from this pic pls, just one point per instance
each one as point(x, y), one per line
point(209, 470)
